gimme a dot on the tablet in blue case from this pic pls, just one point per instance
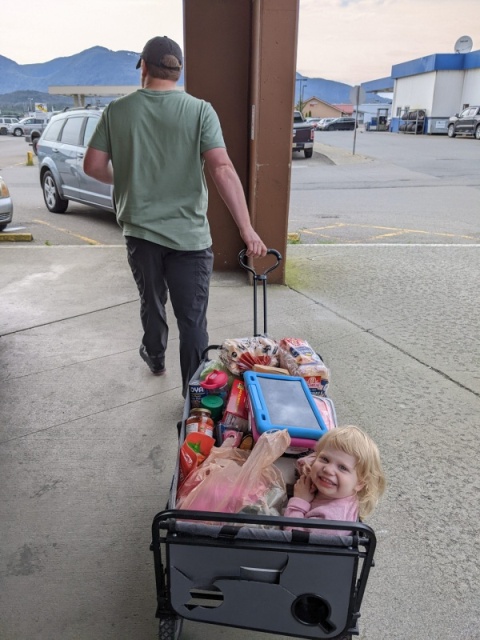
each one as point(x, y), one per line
point(283, 402)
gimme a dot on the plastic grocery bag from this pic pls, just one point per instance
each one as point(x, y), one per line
point(231, 480)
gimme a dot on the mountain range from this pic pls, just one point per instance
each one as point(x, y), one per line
point(329, 91)
point(101, 66)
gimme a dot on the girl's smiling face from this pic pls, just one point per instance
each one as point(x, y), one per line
point(333, 474)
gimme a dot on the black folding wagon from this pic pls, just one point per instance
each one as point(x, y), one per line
point(258, 572)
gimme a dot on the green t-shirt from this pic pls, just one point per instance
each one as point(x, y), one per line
point(155, 140)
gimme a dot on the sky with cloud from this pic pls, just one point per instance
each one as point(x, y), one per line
point(350, 41)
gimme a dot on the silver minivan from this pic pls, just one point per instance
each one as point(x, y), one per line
point(60, 150)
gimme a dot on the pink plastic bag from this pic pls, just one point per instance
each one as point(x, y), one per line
point(231, 479)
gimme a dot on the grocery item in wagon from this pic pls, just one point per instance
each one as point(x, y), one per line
point(214, 404)
point(235, 415)
point(216, 383)
point(300, 359)
point(195, 448)
point(200, 421)
point(240, 354)
point(197, 392)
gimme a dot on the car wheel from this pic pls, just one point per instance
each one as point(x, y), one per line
point(451, 131)
point(477, 132)
point(34, 145)
point(17, 132)
point(3, 227)
point(54, 202)
point(308, 153)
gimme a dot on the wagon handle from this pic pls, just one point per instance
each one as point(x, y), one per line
point(274, 252)
point(263, 278)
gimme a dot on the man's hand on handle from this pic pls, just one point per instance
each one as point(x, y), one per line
point(254, 244)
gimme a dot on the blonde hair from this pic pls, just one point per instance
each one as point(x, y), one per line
point(357, 443)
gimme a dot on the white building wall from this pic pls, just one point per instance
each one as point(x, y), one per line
point(471, 87)
point(447, 94)
point(414, 92)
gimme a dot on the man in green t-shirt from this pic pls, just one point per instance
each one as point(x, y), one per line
point(152, 146)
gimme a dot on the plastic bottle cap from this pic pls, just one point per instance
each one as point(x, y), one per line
point(215, 380)
point(199, 411)
point(212, 402)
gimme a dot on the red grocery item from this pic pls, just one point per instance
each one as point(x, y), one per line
point(215, 381)
point(195, 448)
point(235, 415)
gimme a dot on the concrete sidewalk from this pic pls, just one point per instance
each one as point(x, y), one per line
point(88, 439)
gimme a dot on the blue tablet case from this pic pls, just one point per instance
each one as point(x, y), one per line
point(283, 402)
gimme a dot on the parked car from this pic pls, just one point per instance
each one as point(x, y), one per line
point(5, 122)
point(340, 124)
point(313, 121)
point(465, 123)
point(6, 205)
point(17, 129)
point(323, 123)
point(60, 151)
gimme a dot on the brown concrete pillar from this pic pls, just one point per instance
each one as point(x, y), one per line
point(240, 55)
point(274, 56)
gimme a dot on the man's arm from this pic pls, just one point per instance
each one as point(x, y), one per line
point(230, 188)
point(96, 164)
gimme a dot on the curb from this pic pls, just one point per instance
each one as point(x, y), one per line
point(15, 237)
point(338, 156)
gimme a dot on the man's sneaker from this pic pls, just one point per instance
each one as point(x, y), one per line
point(156, 365)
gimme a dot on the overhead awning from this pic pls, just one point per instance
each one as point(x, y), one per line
point(382, 85)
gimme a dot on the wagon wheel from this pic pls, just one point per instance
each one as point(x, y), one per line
point(170, 628)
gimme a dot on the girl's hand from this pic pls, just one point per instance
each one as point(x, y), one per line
point(304, 489)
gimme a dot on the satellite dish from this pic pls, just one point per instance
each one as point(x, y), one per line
point(463, 45)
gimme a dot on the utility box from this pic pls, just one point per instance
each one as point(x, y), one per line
point(438, 125)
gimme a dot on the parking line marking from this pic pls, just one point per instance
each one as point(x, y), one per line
point(311, 233)
point(388, 235)
point(395, 231)
point(70, 233)
point(330, 226)
point(402, 230)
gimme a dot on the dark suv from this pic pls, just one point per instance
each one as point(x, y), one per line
point(467, 123)
point(60, 151)
point(340, 124)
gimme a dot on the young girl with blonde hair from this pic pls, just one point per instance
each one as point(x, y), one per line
point(343, 479)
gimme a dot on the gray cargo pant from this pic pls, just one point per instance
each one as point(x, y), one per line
point(185, 275)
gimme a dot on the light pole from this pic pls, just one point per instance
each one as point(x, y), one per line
point(302, 82)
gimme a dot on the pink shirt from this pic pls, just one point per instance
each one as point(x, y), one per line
point(344, 509)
